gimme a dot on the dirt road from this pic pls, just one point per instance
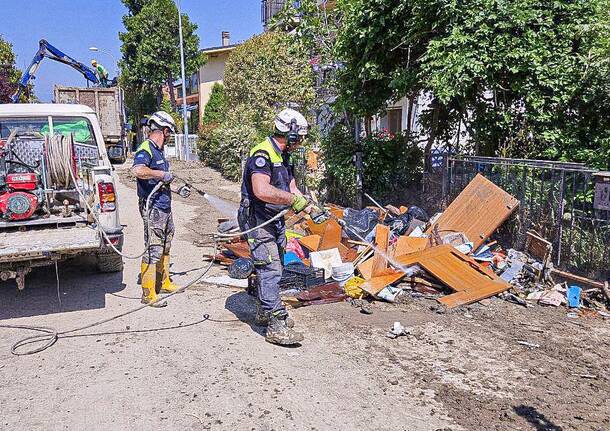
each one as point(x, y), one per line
point(463, 370)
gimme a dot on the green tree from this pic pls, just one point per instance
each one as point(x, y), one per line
point(215, 109)
point(267, 73)
point(150, 46)
point(9, 74)
point(262, 76)
point(527, 78)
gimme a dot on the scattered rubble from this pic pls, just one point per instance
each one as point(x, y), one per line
point(396, 254)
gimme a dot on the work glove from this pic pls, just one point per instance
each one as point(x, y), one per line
point(168, 177)
point(299, 203)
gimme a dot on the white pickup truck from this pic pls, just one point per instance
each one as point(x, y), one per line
point(57, 189)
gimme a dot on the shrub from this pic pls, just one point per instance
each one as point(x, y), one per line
point(261, 76)
point(216, 107)
point(392, 165)
point(224, 146)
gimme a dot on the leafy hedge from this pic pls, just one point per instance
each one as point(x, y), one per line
point(392, 163)
point(262, 76)
point(216, 107)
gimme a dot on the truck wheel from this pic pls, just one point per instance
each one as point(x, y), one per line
point(109, 262)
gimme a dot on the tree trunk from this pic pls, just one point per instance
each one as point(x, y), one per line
point(172, 94)
point(159, 96)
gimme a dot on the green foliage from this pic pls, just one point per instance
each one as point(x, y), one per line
point(224, 146)
point(528, 78)
point(9, 74)
point(391, 163)
point(151, 50)
point(314, 28)
point(167, 107)
point(267, 73)
point(216, 107)
point(263, 75)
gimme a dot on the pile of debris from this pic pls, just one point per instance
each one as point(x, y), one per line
point(391, 253)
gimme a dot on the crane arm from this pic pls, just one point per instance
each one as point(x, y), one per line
point(49, 51)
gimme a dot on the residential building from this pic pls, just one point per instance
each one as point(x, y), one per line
point(269, 8)
point(199, 85)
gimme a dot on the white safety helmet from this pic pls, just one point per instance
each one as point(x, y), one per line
point(160, 120)
point(284, 119)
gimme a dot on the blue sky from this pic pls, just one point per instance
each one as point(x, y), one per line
point(74, 25)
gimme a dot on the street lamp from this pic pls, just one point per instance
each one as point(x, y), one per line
point(184, 116)
point(96, 49)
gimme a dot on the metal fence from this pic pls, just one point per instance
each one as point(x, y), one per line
point(176, 148)
point(556, 201)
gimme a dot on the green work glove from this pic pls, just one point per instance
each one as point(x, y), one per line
point(299, 203)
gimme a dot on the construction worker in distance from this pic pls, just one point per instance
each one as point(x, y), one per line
point(100, 72)
point(269, 187)
point(151, 167)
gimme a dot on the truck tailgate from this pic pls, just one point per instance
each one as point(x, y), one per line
point(41, 243)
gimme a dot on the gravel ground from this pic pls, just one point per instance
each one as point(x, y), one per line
point(459, 370)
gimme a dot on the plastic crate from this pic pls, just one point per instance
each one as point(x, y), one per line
point(301, 277)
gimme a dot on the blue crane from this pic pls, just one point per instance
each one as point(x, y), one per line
point(49, 51)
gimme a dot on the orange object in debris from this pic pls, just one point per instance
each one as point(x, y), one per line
point(311, 242)
point(461, 273)
point(240, 249)
point(331, 238)
point(409, 244)
point(478, 211)
point(382, 238)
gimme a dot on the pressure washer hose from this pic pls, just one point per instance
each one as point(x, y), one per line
point(49, 336)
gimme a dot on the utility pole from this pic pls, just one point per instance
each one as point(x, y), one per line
point(184, 111)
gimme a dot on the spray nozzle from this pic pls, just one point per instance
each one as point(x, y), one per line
point(184, 191)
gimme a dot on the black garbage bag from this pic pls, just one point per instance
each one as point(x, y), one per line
point(419, 214)
point(361, 221)
point(241, 268)
point(400, 224)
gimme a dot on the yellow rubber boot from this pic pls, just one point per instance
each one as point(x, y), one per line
point(148, 273)
point(167, 285)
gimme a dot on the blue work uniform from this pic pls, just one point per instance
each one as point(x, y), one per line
point(158, 223)
point(151, 156)
point(267, 243)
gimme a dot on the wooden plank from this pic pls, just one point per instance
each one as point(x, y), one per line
point(409, 244)
point(478, 211)
point(332, 236)
point(577, 278)
point(377, 284)
point(310, 242)
point(538, 247)
point(382, 238)
point(469, 296)
point(316, 229)
point(348, 254)
point(458, 271)
point(336, 211)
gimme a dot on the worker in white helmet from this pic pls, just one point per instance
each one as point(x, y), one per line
point(151, 167)
point(269, 187)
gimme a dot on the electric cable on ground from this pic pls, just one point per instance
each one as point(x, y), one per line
point(50, 336)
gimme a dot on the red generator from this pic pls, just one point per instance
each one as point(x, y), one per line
point(19, 198)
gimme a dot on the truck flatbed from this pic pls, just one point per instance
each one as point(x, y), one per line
point(33, 244)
